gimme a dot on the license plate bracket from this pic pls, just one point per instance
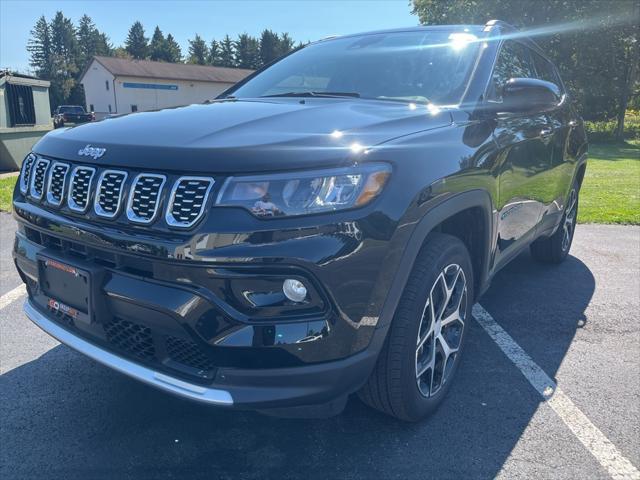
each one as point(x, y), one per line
point(66, 287)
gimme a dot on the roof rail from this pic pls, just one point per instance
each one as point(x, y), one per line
point(498, 23)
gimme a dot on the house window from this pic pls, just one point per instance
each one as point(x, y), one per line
point(134, 108)
point(91, 109)
point(109, 108)
point(106, 84)
point(21, 108)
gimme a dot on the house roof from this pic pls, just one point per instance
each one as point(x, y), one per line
point(22, 79)
point(171, 71)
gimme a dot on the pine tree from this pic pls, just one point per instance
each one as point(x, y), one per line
point(157, 47)
point(227, 52)
point(286, 44)
point(136, 43)
point(65, 51)
point(198, 51)
point(172, 52)
point(90, 42)
point(269, 46)
point(39, 47)
point(247, 51)
point(214, 54)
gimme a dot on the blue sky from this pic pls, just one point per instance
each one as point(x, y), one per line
point(303, 19)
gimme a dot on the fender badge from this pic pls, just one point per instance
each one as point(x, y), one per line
point(93, 152)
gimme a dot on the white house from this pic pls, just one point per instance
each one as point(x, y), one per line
point(118, 85)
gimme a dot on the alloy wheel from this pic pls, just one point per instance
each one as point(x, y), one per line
point(569, 220)
point(441, 329)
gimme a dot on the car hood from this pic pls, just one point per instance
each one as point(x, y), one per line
point(243, 135)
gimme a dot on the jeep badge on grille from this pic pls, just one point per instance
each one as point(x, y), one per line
point(93, 152)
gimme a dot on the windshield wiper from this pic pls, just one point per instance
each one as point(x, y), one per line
point(314, 94)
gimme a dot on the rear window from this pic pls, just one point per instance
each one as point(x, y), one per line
point(71, 109)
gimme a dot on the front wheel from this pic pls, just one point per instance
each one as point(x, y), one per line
point(555, 249)
point(422, 351)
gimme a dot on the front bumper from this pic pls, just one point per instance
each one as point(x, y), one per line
point(261, 389)
point(257, 362)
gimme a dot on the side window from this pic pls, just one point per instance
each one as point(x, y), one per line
point(545, 70)
point(513, 61)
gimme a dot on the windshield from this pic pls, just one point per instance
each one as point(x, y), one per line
point(420, 66)
point(71, 109)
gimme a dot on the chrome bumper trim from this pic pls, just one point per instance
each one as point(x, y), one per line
point(139, 372)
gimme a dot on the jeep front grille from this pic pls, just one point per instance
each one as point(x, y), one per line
point(144, 198)
point(112, 194)
point(109, 193)
point(25, 174)
point(57, 182)
point(37, 178)
point(188, 198)
point(80, 188)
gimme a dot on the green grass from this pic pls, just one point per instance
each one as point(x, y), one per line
point(6, 192)
point(611, 188)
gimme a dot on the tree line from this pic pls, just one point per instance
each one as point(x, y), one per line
point(60, 51)
point(595, 44)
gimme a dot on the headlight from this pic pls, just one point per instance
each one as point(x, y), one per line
point(302, 193)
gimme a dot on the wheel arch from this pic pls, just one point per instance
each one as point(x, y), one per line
point(432, 221)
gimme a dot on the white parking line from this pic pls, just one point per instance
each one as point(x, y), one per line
point(591, 437)
point(12, 295)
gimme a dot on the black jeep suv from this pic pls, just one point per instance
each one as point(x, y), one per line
point(322, 228)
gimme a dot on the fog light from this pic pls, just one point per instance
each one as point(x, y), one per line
point(294, 290)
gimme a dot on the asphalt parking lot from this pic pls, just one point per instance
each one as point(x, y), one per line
point(64, 416)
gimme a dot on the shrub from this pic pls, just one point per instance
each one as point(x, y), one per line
point(603, 131)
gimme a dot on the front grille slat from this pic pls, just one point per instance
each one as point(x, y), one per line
point(38, 175)
point(109, 193)
point(25, 174)
point(187, 201)
point(80, 188)
point(147, 187)
point(57, 183)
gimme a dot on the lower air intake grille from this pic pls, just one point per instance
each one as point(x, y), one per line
point(57, 181)
point(80, 189)
point(187, 353)
point(38, 175)
point(109, 193)
point(131, 338)
point(25, 175)
point(188, 199)
point(144, 197)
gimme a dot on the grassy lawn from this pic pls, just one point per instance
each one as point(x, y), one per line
point(611, 189)
point(6, 192)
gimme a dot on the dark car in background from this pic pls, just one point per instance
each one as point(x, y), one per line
point(71, 114)
point(321, 229)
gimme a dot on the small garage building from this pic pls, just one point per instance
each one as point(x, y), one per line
point(119, 85)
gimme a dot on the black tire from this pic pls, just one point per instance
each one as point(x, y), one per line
point(555, 249)
point(393, 386)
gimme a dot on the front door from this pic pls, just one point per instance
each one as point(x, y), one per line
point(525, 147)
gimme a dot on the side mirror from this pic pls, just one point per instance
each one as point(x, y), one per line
point(529, 95)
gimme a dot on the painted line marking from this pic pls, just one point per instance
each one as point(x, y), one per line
point(589, 435)
point(12, 295)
